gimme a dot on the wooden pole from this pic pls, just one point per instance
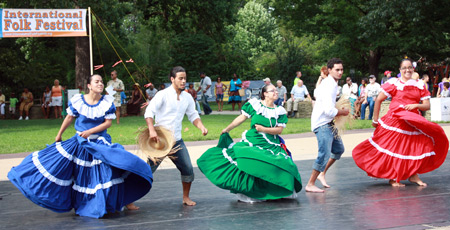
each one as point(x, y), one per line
point(90, 42)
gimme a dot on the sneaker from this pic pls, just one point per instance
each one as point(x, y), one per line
point(26, 118)
point(20, 118)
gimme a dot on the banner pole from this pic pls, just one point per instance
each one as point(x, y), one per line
point(90, 42)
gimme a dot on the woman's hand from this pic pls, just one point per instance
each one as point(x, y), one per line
point(224, 131)
point(411, 107)
point(85, 134)
point(259, 128)
point(58, 138)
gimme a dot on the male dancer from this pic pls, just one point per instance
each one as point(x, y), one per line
point(322, 117)
point(167, 108)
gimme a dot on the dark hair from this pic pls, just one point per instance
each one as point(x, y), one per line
point(263, 90)
point(92, 76)
point(333, 61)
point(365, 80)
point(405, 59)
point(175, 70)
point(446, 84)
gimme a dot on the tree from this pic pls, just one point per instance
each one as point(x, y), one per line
point(255, 31)
point(363, 32)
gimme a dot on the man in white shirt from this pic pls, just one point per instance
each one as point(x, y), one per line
point(167, 109)
point(349, 91)
point(205, 84)
point(324, 112)
point(298, 93)
point(371, 93)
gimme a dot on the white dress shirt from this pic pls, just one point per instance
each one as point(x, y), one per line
point(324, 109)
point(168, 111)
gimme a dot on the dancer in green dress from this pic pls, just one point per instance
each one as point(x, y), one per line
point(259, 167)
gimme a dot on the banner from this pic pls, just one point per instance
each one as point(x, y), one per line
point(43, 23)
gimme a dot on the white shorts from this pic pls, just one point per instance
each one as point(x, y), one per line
point(56, 101)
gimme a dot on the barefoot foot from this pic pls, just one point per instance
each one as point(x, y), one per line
point(394, 183)
point(415, 179)
point(322, 180)
point(187, 201)
point(313, 188)
point(132, 207)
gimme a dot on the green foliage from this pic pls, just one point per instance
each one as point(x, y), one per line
point(255, 31)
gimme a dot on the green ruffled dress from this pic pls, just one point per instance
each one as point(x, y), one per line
point(258, 166)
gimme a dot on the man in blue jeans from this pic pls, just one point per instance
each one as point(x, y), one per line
point(167, 109)
point(324, 112)
point(205, 84)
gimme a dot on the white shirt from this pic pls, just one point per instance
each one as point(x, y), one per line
point(324, 109)
point(299, 92)
point(167, 111)
point(350, 91)
point(372, 90)
point(204, 83)
point(445, 93)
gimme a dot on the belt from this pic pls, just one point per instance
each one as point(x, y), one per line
point(91, 137)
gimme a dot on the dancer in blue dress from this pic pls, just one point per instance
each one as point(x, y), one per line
point(86, 172)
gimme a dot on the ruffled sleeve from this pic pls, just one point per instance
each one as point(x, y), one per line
point(282, 117)
point(247, 109)
point(71, 111)
point(424, 93)
point(111, 113)
point(389, 88)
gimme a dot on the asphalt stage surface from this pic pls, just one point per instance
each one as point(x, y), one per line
point(354, 201)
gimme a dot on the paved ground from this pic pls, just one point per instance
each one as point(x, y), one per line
point(355, 201)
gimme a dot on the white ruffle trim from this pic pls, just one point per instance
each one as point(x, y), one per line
point(244, 139)
point(92, 112)
point(265, 111)
point(400, 156)
point(411, 82)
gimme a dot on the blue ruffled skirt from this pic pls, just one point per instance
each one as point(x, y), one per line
point(93, 177)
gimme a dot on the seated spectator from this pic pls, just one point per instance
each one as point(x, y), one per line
point(282, 93)
point(441, 86)
point(12, 105)
point(371, 92)
point(45, 102)
point(26, 101)
point(298, 93)
point(2, 105)
point(445, 92)
point(133, 105)
point(349, 91)
point(151, 91)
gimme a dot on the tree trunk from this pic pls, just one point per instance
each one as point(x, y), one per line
point(82, 63)
point(374, 61)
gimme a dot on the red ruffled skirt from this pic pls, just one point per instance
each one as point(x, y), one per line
point(403, 144)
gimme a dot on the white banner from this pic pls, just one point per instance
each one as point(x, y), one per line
point(43, 23)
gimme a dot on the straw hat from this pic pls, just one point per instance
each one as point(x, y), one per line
point(151, 148)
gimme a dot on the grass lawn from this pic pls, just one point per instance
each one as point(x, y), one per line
point(26, 136)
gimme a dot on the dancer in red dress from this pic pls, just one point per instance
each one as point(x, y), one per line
point(404, 143)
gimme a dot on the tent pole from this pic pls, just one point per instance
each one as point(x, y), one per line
point(90, 42)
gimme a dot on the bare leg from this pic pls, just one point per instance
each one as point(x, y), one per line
point(118, 114)
point(311, 186)
point(415, 179)
point(239, 105)
point(186, 189)
point(232, 105)
point(394, 183)
point(131, 206)
point(56, 111)
point(59, 111)
point(321, 176)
